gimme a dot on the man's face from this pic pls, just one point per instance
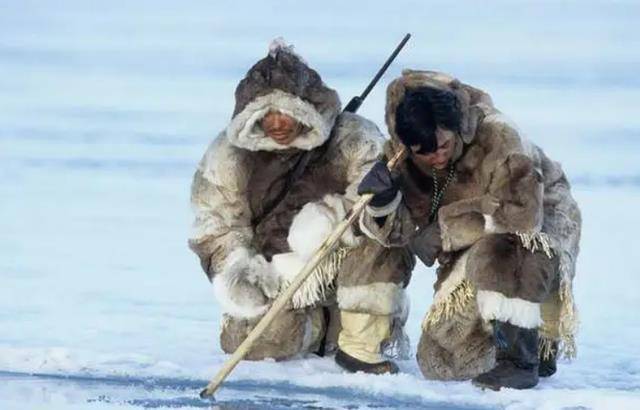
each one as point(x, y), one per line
point(280, 127)
point(441, 157)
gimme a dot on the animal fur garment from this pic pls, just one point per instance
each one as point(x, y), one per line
point(535, 214)
point(310, 227)
point(243, 170)
point(236, 287)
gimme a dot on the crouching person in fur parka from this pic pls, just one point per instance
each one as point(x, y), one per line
point(497, 214)
point(260, 215)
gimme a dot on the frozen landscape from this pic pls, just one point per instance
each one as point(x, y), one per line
point(106, 107)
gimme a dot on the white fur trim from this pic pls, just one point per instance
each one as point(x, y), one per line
point(490, 224)
point(245, 131)
point(379, 298)
point(231, 287)
point(494, 305)
point(378, 212)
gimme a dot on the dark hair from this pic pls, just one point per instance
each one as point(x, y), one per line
point(421, 111)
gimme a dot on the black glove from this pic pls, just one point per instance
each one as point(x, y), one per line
point(381, 183)
point(427, 244)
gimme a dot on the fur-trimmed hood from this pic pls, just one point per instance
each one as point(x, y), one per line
point(474, 103)
point(282, 82)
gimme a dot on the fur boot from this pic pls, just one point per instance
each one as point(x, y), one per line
point(516, 359)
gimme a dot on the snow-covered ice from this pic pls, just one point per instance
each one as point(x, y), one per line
point(106, 107)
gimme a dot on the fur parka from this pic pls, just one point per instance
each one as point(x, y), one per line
point(250, 257)
point(503, 187)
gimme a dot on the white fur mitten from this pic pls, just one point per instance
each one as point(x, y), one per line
point(314, 223)
point(245, 284)
point(287, 265)
point(309, 229)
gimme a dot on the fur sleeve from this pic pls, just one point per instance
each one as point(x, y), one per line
point(512, 188)
point(357, 146)
point(218, 198)
point(514, 182)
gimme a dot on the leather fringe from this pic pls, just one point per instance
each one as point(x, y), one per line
point(321, 282)
point(545, 347)
point(463, 294)
point(568, 322)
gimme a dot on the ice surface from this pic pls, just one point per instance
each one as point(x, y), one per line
point(106, 107)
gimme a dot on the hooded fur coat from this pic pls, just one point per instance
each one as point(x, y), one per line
point(249, 257)
point(508, 211)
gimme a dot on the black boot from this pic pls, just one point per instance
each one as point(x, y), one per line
point(353, 365)
point(548, 365)
point(516, 358)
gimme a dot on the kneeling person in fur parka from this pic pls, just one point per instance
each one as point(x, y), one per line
point(260, 215)
point(498, 216)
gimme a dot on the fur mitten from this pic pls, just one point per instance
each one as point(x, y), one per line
point(246, 284)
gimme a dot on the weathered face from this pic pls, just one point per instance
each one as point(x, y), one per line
point(441, 157)
point(280, 127)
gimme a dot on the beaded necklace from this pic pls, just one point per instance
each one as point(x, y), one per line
point(438, 192)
